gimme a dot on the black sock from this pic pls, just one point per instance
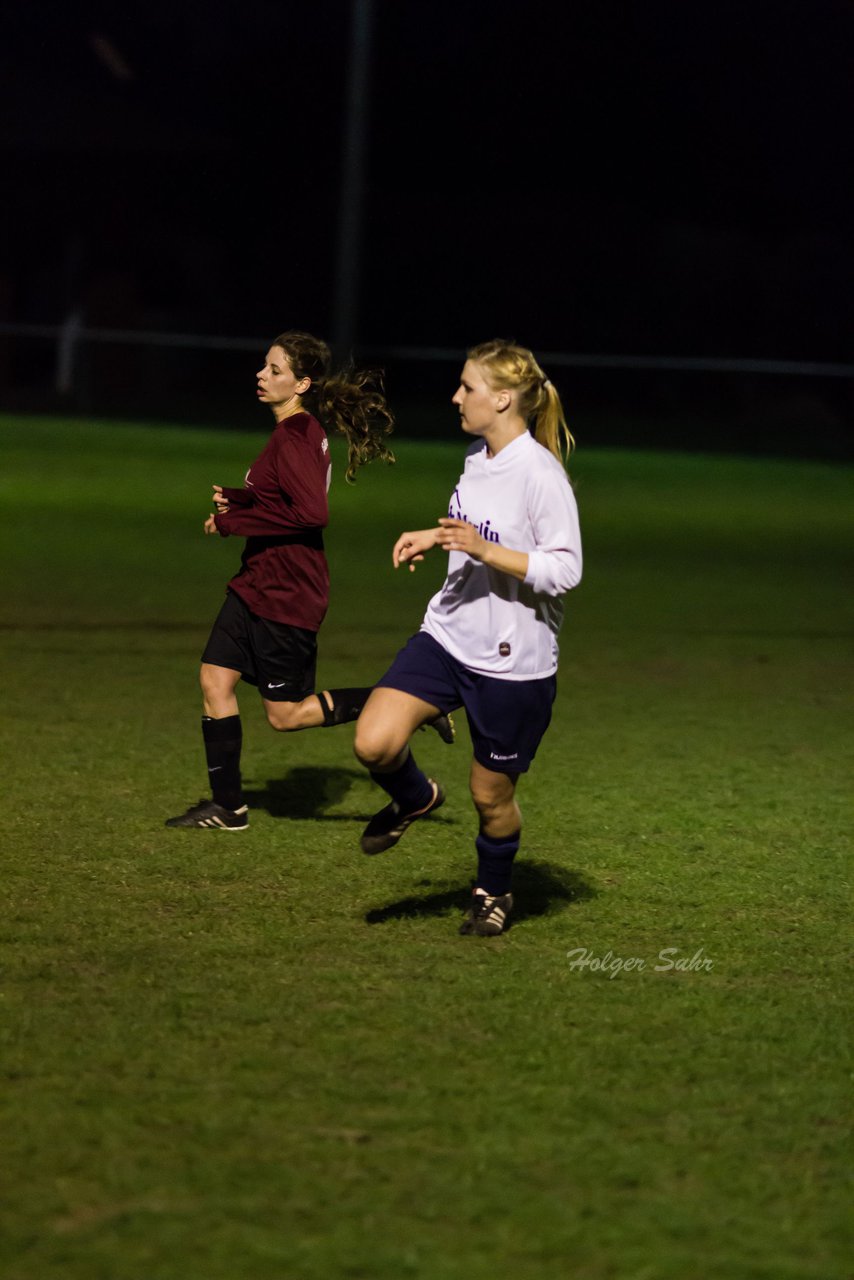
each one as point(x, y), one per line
point(495, 862)
point(346, 705)
point(407, 786)
point(223, 741)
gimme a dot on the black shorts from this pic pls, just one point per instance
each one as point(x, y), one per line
point(507, 718)
point(281, 660)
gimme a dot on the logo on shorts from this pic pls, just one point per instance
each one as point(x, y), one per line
point(493, 756)
point(280, 685)
point(504, 649)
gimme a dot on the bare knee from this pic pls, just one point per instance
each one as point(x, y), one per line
point(372, 748)
point(213, 680)
point(378, 746)
point(218, 690)
point(490, 804)
point(494, 797)
point(385, 726)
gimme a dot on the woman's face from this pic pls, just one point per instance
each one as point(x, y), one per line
point(476, 400)
point(277, 383)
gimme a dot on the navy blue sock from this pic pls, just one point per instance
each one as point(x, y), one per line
point(495, 862)
point(223, 743)
point(407, 786)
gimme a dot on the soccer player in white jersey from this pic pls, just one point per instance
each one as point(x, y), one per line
point(489, 639)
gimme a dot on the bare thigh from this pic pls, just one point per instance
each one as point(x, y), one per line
point(388, 720)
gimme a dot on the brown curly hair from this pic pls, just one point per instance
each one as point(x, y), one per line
point(351, 401)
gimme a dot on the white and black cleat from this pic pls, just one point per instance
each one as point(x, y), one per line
point(488, 915)
point(386, 827)
point(209, 815)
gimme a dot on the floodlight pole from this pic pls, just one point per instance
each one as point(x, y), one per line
point(354, 148)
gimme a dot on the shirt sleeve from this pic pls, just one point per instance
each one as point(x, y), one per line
point(238, 497)
point(555, 565)
point(296, 501)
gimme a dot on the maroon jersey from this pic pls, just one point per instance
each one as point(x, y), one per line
point(281, 513)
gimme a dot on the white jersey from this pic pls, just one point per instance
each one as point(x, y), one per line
point(490, 621)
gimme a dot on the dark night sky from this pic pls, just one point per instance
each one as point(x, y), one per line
point(652, 176)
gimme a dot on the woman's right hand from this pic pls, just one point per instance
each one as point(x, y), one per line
point(210, 527)
point(410, 547)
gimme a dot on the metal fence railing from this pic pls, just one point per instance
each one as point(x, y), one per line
point(668, 401)
point(72, 335)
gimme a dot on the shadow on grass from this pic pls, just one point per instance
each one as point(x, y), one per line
point(539, 889)
point(307, 792)
point(304, 792)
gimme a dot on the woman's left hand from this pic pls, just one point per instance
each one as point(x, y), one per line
point(459, 535)
point(210, 526)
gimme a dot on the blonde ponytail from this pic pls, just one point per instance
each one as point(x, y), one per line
point(510, 367)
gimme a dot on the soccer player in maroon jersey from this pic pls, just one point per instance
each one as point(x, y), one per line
point(266, 631)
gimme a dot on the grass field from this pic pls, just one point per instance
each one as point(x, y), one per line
point(262, 1055)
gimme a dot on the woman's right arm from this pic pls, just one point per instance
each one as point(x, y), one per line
point(299, 502)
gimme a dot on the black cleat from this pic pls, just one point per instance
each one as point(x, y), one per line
point(386, 827)
point(444, 726)
point(209, 814)
point(487, 916)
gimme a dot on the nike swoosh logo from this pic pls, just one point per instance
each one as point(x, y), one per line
point(280, 685)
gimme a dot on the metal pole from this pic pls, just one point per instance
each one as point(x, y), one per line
point(352, 181)
point(67, 346)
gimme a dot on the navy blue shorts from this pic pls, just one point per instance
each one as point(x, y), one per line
point(507, 718)
point(281, 660)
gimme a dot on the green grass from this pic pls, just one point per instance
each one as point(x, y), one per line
point(264, 1055)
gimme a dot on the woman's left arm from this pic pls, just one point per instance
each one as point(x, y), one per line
point(555, 564)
